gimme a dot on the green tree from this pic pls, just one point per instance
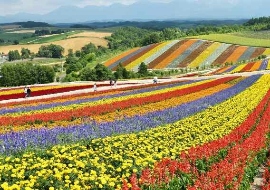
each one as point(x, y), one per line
point(25, 74)
point(57, 51)
point(99, 73)
point(88, 48)
point(88, 74)
point(102, 72)
point(121, 72)
point(16, 42)
point(25, 53)
point(51, 51)
point(14, 55)
point(142, 71)
point(72, 64)
point(152, 38)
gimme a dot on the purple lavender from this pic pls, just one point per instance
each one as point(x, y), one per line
point(264, 64)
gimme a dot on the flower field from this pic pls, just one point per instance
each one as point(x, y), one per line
point(182, 133)
point(185, 52)
point(249, 67)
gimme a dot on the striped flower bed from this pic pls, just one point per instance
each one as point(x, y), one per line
point(236, 54)
point(249, 67)
point(155, 51)
point(176, 63)
point(185, 53)
point(118, 59)
point(151, 59)
point(203, 56)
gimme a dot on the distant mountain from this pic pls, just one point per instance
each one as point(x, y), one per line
point(146, 10)
point(156, 25)
point(29, 24)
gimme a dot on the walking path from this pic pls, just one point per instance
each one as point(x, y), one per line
point(126, 83)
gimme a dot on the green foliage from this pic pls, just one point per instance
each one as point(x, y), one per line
point(25, 53)
point(121, 72)
point(152, 38)
point(72, 65)
point(260, 23)
point(71, 77)
point(16, 42)
point(25, 73)
point(51, 51)
point(99, 73)
point(32, 24)
point(88, 74)
point(14, 55)
point(88, 48)
point(142, 70)
point(127, 37)
point(90, 57)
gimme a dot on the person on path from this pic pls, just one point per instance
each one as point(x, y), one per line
point(95, 87)
point(25, 91)
point(155, 80)
point(115, 83)
point(111, 82)
point(28, 92)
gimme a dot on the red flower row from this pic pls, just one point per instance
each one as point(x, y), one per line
point(223, 173)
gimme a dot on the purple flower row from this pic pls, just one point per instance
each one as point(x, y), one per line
point(43, 138)
point(264, 64)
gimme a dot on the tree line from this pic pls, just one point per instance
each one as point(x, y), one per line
point(48, 51)
point(25, 74)
point(44, 32)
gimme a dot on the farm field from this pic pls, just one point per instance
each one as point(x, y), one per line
point(193, 53)
point(21, 31)
point(73, 41)
point(176, 133)
point(254, 34)
point(250, 39)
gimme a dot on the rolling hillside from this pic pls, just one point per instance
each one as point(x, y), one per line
point(185, 53)
point(75, 42)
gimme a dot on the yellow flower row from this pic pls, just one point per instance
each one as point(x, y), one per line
point(268, 66)
point(103, 162)
point(202, 57)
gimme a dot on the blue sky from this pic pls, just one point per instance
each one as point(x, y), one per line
point(9, 7)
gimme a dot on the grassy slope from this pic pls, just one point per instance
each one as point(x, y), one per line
point(237, 38)
point(53, 38)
